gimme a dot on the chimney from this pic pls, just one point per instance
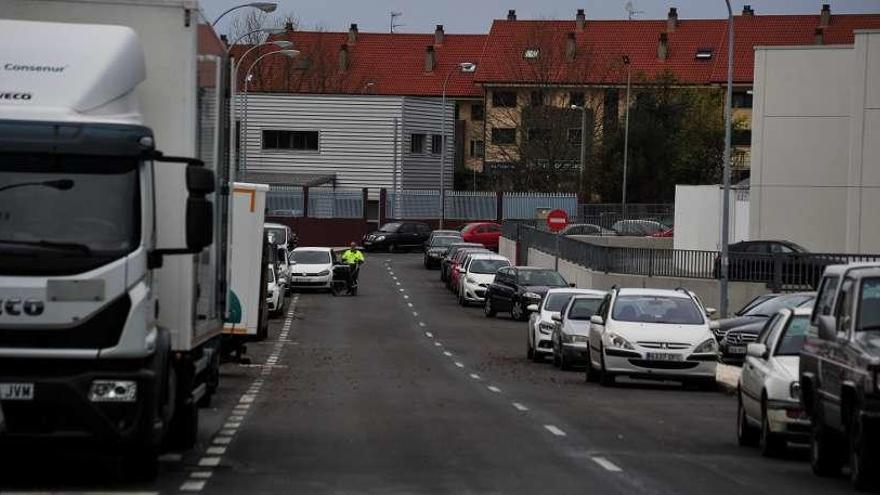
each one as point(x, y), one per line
point(344, 61)
point(672, 20)
point(581, 19)
point(438, 35)
point(353, 34)
point(570, 47)
point(511, 15)
point(819, 36)
point(663, 47)
point(748, 10)
point(825, 15)
point(224, 40)
point(288, 26)
point(430, 59)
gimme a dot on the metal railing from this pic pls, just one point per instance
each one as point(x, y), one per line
point(420, 204)
point(781, 272)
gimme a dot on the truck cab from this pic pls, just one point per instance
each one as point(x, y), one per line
point(840, 373)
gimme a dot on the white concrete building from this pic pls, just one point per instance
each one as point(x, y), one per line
point(816, 145)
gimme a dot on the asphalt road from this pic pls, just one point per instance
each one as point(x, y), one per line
point(400, 390)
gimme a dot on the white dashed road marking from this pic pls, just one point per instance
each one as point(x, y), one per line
point(475, 376)
point(209, 461)
point(447, 353)
point(494, 388)
point(192, 486)
point(429, 335)
point(608, 465)
point(520, 407)
point(556, 431)
point(460, 365)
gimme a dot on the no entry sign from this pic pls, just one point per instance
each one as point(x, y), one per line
point(557, 220)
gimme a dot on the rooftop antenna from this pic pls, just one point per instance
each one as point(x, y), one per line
point(631, 10)
point(395, 15)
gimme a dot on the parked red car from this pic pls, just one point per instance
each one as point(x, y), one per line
point(665, 233)
point(485, 233)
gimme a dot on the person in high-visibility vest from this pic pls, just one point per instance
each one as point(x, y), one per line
point(353, 258)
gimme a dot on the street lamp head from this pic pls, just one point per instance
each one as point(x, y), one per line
point(289, 53)
point(467, 66)
point(577, 107)
point(275, 30)
point(264, 6)
point(282, 44)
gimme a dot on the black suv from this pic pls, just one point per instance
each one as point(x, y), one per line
point(840, 373)
point(397, 235)
point(516, 287)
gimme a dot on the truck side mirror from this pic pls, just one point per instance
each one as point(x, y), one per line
point(827, 327)
point(197, 231)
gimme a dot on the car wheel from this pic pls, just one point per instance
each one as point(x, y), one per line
point(771, 444)
point(563, 364)
point(556, 360)
point(825, 447)
point(861, 458)
point(606, 379)
point(488, 310)
point(746, 436)
point(592, 374)
point(530, 350)
point(392, 248)
point(517, 312)
point(461, 299)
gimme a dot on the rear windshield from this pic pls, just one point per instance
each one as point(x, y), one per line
point(541, 277)
point(556, 301)
point(310, 257)
point(869, 306)
point(444, 241)
point(487, 266)
point(583, 308)
point(390, 227)
point(792, 340)
point(657, 309)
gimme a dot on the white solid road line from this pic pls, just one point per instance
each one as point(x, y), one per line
point(608, 465)
point(556, 431)
point(520, 407)
point(494, 388)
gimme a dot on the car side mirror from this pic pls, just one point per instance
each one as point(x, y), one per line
point(827, 327)
point(556, 317)
point(711, 312)
point(572, 284)
point(532, 308)
point(757, 350)
point(597, 320)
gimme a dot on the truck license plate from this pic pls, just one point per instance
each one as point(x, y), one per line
point(16, 391)
point(663, 356)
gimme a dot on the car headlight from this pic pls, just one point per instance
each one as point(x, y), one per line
point(323, 273)
point(614, 340)
point(545, 327)
point(380, 238)
point(531, 295)
point(708, 347)
point(795, 390)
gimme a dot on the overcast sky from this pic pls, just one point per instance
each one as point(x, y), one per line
point(475, 16)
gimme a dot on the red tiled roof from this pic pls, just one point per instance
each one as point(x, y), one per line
point(602, 44)
point(380, 63)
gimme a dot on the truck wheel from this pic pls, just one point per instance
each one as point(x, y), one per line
point(139, 463)
point(862, 465)
point(825, 448)
point(746, 436)
point(184, 425)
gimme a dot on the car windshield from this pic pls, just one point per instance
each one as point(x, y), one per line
point(270, 274)
point(389, 227)
point(541, 277)
point(310, 257)
point(276, 235)
point(487, 266)
point(657, 309)
point(793, 337)
point(444, 241)
point(582, 308)
point(556, 301)
point(754, 302)
point(869, 305)
point(772, 306)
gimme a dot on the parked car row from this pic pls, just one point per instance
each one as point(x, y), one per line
point(396, 236)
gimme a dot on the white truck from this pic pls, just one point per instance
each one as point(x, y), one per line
point(112, 251)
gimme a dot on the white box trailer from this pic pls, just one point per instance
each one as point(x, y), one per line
point(247, 316)
point(112, 249)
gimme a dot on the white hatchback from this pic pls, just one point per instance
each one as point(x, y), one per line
point(540, 328)
point(651, 334)
point(311, 268)
point(476, 275)
point(572, 329)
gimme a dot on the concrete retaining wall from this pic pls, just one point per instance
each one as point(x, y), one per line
point(507, 248)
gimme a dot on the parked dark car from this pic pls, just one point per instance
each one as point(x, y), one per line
point(397, 235)
point(445, 268)
point(586, 229)
point(443, 233)
point(839, 367)
point(516, 287)
point(734, 334)
point(756, 261)
point(436, 248)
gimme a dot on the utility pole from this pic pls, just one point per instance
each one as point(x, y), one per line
point(626, 133)
point(725, 201)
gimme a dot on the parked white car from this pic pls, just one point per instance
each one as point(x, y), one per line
point(311, 268)
point(571, 331)
point(274, 292)
point(651, 334)
point(770, 413)
point(540, 329)
point(476, 275)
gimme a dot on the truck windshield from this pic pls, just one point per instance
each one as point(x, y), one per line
point(71, 211)
point(277, 235)
point(869, 306)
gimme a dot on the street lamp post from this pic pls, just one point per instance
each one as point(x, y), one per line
point(264, 6)
point(583, 167)
point(725, 201)
point(461, 67)
point(247, 77)
point(625, 134)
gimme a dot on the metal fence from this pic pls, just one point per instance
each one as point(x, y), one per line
point(607, 216)
point(336, 203)
point(285, 201)
point(425, 204)
point(526, 205)
point(781, 272)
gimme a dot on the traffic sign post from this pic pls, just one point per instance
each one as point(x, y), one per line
point(557, 220)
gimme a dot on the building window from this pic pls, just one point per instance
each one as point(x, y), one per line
point(537, 98)
point(478, 111)
point(576, 98)
point(478, 148)
point(574, 135)
point(417, 143)
point(504, 99)
point(504, 135)
point(741, 137)
point(611, 108)
point(290, 140)
point(436, 144)
point(742, 100)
